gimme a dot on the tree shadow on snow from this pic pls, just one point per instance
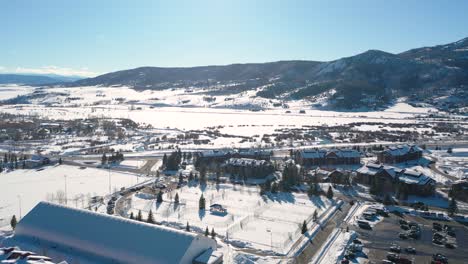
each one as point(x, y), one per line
point(201, 214)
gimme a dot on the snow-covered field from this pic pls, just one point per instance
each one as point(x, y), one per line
point(28, 187)
point(252, 221)
point(454, 164)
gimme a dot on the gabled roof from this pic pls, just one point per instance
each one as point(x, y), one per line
point(110, 237)
point(322, 153)
point(246, 162)
point(401, 150)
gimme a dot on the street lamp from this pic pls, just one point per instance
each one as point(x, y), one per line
point(271, 238)
point(66, 196)
point(19, 200)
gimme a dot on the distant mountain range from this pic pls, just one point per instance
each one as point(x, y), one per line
point(370, 79)
point(33, 79)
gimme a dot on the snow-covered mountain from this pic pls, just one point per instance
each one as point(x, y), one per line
point(370, 79)
point(35, 79)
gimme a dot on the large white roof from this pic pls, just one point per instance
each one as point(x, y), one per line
point(109, 237)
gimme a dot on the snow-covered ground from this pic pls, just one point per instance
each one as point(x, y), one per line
point(251, 221)
point(454, 164)
point(28, 187)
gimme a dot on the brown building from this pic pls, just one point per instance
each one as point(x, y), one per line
point(248, 168)
point(388, 178)
point(398, 154)
point(328, 157)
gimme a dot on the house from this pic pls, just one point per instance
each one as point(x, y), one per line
point(328, 157)
point(253, 154)
point(377, 175)
point(401, 153)
point(248, 168)
point(218, 209)
point(336, 176)
point(36, 161)
point(110, 239)
point(388, 179)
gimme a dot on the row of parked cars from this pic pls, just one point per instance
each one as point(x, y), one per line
point(351, 250)
point(443, 235)
point(410, 230)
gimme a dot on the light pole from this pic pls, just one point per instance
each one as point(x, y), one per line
point(19, 201)
point(271, 238)
point(66, 196)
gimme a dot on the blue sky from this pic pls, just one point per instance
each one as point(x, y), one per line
point(91, 37)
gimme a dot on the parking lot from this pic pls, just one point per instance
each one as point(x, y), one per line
point(379, 240)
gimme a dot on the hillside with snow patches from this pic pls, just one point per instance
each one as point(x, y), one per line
point(371, 80)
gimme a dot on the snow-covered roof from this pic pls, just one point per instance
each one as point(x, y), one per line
point(322, 153)
point(246, 162)
point(401, 150)
point(209, 257)
point(110, 237)
point(214, 153)
point(414, 177)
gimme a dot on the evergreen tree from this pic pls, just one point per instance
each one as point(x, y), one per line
point(274, 187)
point(330, 193)
point(315, 216)
point(150, 219)
point(187, 227)
point(203, 174)
point(304, 227)
point(104, 159)
point(190, 177)
point(159, 199)
point(132, 216)
point(453, 207)
point(176, 198)
point(13, 222)
point(311, 190)
point(213, 234)
point(201, 203)
point(139, 216)
point(59, 161)
point(207, 232)
point(164, 160)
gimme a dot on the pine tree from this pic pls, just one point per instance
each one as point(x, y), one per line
point(104, 159)
point(201, 203)
point(164, 160)
point(330, 193)
point(59, 161)
point(304, 227)
point(190, 177)
point(132, 216)
point(207, 232)
point(315, 216)
point(453, 207)
point(176, 198)
point(159, 199)
point(150, 219)
point(187, 227)
point(213, 234)
point(13, 222)
point(139, 216)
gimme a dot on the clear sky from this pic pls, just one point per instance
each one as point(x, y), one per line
point(91, 37)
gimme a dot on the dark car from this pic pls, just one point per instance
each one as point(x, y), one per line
point(451, 233)
point(439, 257)
point(403, 236)
point(449, 245)
point(437, 241)
point(403, 222)
point(393, 257)
point(395, 248)
point(437, 236)
point(357, 241)
point(410, 250)
point(404, 261)
point(404, 227)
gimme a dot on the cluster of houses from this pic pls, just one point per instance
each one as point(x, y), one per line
point(331, 165)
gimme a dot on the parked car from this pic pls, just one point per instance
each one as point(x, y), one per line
point(395, 248)
point(451, 233)
point(403, 222)
point(404, 227)
point(410, 250)
point(439, 257)
point(386, 261)
point(437, 241)
point(403, 236)
point(449, 245)
point(393, 257)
